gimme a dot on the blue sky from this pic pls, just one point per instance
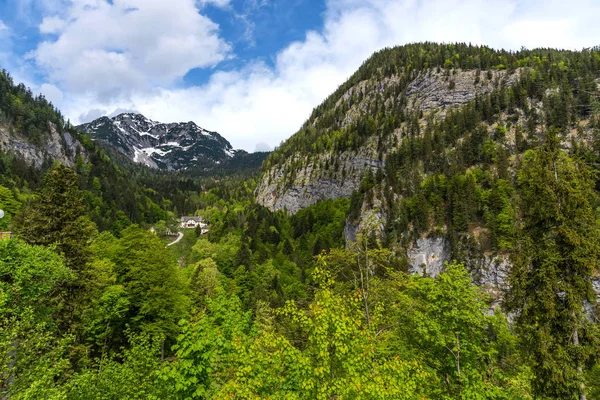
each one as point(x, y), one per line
point(255, 30)
point(249, 69)
point(258, 30)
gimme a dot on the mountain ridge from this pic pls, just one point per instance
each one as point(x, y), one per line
point(427, 141)
point(167, 146)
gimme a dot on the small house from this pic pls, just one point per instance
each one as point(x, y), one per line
point(191, 222)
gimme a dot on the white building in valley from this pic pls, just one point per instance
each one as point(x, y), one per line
point(193, 223)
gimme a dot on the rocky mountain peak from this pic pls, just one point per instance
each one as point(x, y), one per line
point(171, 146)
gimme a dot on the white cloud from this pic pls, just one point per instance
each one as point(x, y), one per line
point(52, 25)
point(262, 146)
point(121, 111)
point(3, 26)
point(52, 93)
point(91, 115)
point(112, 49)
point(263, 104)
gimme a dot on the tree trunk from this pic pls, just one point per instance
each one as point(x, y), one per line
point(582, 395)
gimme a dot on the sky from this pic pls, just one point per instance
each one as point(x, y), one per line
point(251, 70)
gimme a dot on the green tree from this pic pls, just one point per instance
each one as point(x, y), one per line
point(10, 205)
point(134, 374)
point(205, 348)
point(555, 257)
point(32, 288)
point(57, 216)
point(442, 321)
point(152, 285)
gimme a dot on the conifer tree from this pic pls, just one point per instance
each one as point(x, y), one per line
point(57, 216)
point(554, 260)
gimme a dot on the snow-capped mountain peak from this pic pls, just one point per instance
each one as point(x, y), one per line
point(170, 146)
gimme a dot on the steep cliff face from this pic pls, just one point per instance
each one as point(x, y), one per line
point(330, 174)
point(54, 147)
point(326, 177)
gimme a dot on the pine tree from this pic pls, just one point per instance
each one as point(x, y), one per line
point(57, 216)
point(554, 260)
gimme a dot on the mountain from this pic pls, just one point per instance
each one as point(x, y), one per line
point(427, 141)
point(34, 136)
point(389, 99)
point(32, 131)
point(172, 146)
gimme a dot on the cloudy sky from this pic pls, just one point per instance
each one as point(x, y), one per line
point(249, 69)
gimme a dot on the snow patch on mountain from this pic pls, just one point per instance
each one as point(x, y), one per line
point(151, 150)
point(148, 134)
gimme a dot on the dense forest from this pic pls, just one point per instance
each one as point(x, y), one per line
point(273, 305)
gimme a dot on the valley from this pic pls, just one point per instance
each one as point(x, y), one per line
point(430, 231)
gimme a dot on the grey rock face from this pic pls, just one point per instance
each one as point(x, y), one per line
point(59, 147)
point(492, 271)
point(298, 197)
point(350, 231)
point(431, 90)
point(313, 184)
point(371, 221)
point(428, 255)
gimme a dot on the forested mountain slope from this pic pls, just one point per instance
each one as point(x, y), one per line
point(32, 129)
point(427, 139)
point(118, 192)
point(34, 135)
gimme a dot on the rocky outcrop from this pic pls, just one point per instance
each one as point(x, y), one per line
point(350, 232)
point(428, 255)
point(312, 183)
point(298, 197)
point(56, 147)
point(366, 90)
point(492, 271)
point(433, 90)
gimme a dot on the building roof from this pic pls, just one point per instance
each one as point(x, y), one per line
point(195, 219)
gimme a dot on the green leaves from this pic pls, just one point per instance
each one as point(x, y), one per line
point(31, 278)
point(205, 348)
point(135, 374)
point(150, 293)
point(32, 356)
point(442, 324)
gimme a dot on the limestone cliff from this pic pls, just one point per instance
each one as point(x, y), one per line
point(313, 182)
point(331, 175)
point(54, 147)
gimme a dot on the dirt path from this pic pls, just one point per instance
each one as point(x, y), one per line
point(179, 237)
